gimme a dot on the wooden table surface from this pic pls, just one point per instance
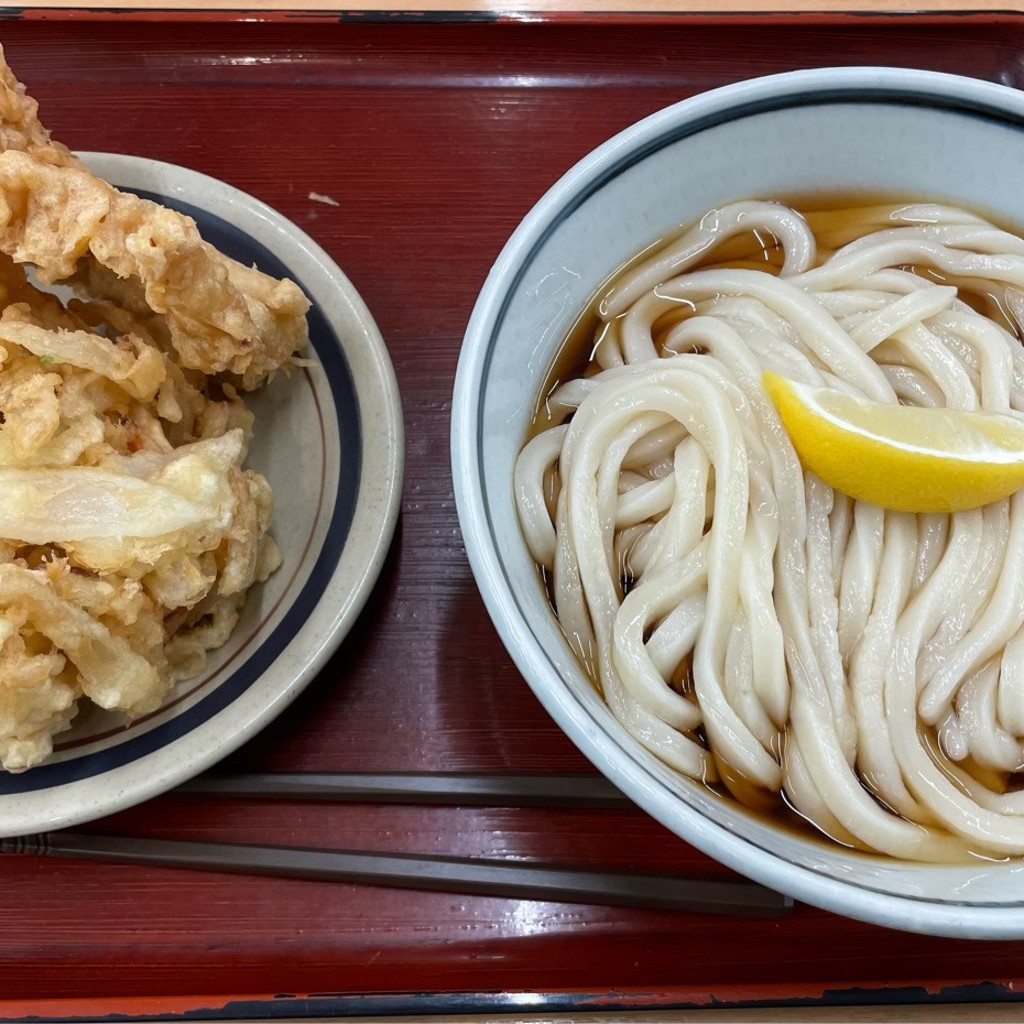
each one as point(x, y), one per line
point(434, 140)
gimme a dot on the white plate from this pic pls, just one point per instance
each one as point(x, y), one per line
point(330, 440)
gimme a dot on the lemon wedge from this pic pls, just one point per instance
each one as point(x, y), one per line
point(898, 456)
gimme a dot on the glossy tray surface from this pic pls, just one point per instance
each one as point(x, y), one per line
point(430, 141)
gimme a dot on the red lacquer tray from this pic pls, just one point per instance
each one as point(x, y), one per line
point(434, 139)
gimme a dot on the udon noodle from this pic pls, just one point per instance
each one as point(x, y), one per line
point(752, 627)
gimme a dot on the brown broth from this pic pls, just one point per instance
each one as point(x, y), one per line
point(836, 218)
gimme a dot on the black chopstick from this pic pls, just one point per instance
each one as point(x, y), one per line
point(475, 876)
point(449, 788)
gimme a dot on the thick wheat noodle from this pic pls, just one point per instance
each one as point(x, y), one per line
point(875, 759)
point(934, 360)
point(823, 608)
point(714, 228)
point(1010, 692)
point(859, 576)
point(713, 421)
point(648, 500)
point(866, 665)
point(933, 534)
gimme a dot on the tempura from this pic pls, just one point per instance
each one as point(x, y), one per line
point(130, 530)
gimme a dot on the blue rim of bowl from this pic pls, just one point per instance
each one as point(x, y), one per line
point(818, 87)
point(241, 246)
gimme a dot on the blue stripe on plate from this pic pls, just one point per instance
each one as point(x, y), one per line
point(242, 247)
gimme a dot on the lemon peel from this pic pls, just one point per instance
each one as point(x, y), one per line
point(901, 457)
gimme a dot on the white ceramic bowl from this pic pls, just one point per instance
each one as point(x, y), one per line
point(861, 129)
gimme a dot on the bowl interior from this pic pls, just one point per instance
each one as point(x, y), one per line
point(860, 131)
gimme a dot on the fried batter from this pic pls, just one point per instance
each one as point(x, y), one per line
point(20, 127)
point(221, 316)
point(130, 530)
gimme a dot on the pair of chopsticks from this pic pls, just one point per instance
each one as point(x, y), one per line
point(470, 875)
